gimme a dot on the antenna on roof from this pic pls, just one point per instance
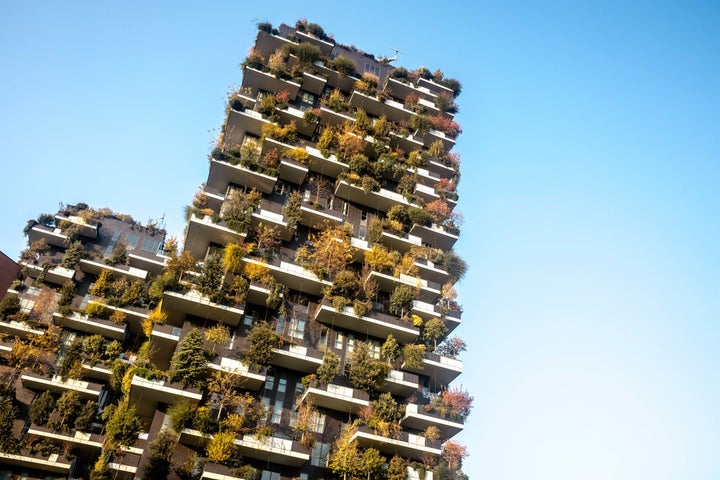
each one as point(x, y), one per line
point(387, 60)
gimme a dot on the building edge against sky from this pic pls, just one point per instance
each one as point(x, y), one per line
point(304, 327)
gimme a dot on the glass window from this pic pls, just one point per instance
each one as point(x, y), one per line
point(307, 101)
point(339, 339)
point(319, 454)
point(372, 69)
point(297, 329)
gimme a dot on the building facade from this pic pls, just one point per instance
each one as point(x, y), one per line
point(303, 328)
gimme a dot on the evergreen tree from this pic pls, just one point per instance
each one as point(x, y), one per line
point(211, 276)
point(189, 363)
point(262, 341)
point(160, 456)
point(41, 408)
point(364, 371)
point(74, 253)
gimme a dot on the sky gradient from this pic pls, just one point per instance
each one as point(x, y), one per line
point(590, 173)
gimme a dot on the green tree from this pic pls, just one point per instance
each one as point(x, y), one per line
point(345, 455)
point(8, 412)
point(222, 447)
point(330, 367)
point(9, 305)
point(182, 414)
point(73, 355)
point(67, 293)
point(390, 349)
point(263, 339)
point(160, 456)
point(364, 371)
point(189, 362)
point(397, 469)
point(41, 408)
point(122, 425)
point(434, 330)
point(218, 335)
point(68, 406)
point(86, 415)
point(211, 276)
point(413, 355)
point(74, 253)
point(401, 300)
point(372, 464)
point(94, 347)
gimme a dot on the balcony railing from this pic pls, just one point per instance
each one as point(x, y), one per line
point(406, 444)
point(57, 385)
point(297, 357)
point(375, 324)
point(418, 418)
point(195, 303)
point(84, 323)
point(338, 398)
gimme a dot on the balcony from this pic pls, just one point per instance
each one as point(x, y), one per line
point(268, 449)
point(431, 271)
point(57, 385)
point(434, 87)
point(335, 119)
point(426, 311)
point(151, 263)
point(313, 83)
point(401, 383)
point(215, 471)
point(267, 43)
point(239, 124)
point(314, 215)
point(85, 441)
point(434, 135)
point(329, 166)
point(53, 463)
point(292, 171)
point(417, 418)
point(223, 174)
point(407, 143)
point(96, 372)
point(57, 274)
point(298, 358)
point(202, 231)
point(53, 236)
point(194, 303)
point(275, 450)
point(146, 394)
point(84, 323)
point(338, 398)
point(408, 445)
point(394, 111)
point(402, 89)
point(251, 380)
point(382, 199)
point(401, 242)
point(293, 276)
point(125, 465)
point(324, 46)
point(270, 214)
point(85, 229)
point(258, 80)
point(19, 329)
point(427, 291)
point(435, 235)
point(96, 268)
point(441, 370)
point(292, 114)
point(375, 324)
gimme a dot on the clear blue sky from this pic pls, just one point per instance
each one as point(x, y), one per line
point(591, 165)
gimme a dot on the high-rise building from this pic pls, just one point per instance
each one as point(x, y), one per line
point(303, 329)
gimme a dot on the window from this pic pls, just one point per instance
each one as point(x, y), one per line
point(323, 337)
point(277, 413)
point(339, 339)
point(351, 343)
point(280, 327)
point(297, 328)
point(319, 454)
point(248, 320)
point(307, 101)
point(282, 384)
point(268, 475)
point(372, 69)
point(317, 422)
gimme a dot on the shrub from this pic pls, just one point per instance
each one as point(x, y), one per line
point(343, 65)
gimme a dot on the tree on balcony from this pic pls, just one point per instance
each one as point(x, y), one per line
point(211, 276)
point(8, 412)
point(292, 209)
point(263, 339)
point(160, 456)
point(328, 252)
point(122, 425)
point(434, 330)
point(224, 386)
point(452, 347)
point(329, 369)
point(345, 456)
point(401, 300)
point(222, 447)
point(364, 372)
point(189, 362)
point(372, 463)
point(397, 468)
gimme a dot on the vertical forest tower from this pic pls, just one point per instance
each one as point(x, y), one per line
point(303, 328)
